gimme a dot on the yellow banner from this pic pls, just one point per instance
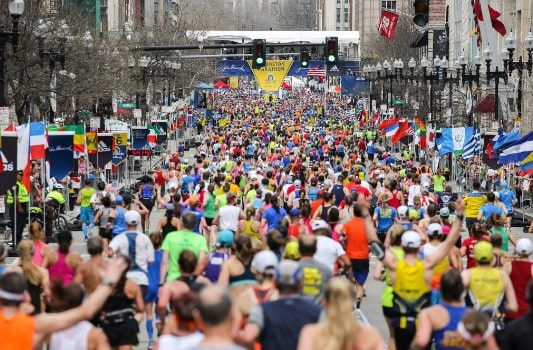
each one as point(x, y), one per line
point(233, 82)
point(270, 98)
point(271, 76)
point(121, 139)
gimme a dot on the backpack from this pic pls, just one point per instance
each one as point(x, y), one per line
point(147, 193)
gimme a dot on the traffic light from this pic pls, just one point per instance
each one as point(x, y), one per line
point(304, 59)
point(259, 53)
point(421, 12)
point(331, 54)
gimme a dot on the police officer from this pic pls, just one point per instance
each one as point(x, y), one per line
point(18, 214)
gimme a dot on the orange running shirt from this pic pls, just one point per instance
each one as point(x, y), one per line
point(356, 241)
point(17, 332)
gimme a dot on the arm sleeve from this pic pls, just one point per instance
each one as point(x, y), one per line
point(257, 317)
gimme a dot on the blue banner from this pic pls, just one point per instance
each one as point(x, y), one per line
point(354, 86)
point(119, 154)
point(60, 154)
point(138, 138)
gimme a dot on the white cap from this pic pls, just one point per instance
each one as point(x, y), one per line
point(320, 224)
point(402, 211)
point(524, 247)
point(411, 239)
point(264, 261)
point(434, 229)
point(132, 217)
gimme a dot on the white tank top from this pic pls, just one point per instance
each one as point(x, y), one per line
point(75, 337)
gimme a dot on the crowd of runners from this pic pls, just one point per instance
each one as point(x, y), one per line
point(267, 242)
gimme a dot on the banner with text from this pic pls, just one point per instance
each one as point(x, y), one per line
point(105, 150)
point(271, 76)
point(233, 82)
point(138, 138)
point(8, 166)
point(120, 147)
point(60, 153)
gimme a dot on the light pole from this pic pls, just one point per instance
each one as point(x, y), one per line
point(43, 32)
point(496, 75)
point(520, 65)
point(435, 75)
point(143, 63)
point(471, 77)
point(16, 8)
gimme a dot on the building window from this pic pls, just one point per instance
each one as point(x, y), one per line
point(338, 15)
point(346, 15)
point(388, 4)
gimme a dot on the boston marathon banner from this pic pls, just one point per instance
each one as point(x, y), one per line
point(60, 153)
point(8, 164)
point(138, 138)
point(105, 151)
point(121, 147)
point(271, 76)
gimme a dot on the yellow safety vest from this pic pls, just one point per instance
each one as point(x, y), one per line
point(23, 195)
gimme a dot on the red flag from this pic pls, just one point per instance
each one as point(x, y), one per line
point(490, 150)
point(389, 122)
point(387, 24)
point(404, 130)
point(497, 25)
point(375, 118)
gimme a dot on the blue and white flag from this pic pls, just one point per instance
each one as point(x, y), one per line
point(454, 139)
point(473, 147)
point(506, 140)
point(517, 151)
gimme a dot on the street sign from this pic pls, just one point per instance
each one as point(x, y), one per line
point(127, 105)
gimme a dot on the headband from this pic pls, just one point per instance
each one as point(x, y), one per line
point(11, 296)
point(475, 337)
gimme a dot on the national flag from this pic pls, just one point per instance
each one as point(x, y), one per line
point(421, 132)
point(316, 72)
point(497, 25)
point(387, 24)
point(37, 140)
point(431, 135)
point(473, 147)
point(527, 163)
point(92, 142)
point(517, 151)
point(453, 139)
point(389, 122)
point(350, 113)
point(503, 141)
point(152, 135)
point(79, 137)
point(11, 127)
point(403, 130)
point(374, 118)
point(23, 153)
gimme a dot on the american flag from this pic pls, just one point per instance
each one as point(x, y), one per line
point(316, 72)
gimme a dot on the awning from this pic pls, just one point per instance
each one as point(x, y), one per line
point(486, 104)
point(421, 40)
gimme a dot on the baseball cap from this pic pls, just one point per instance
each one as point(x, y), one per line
point(413, 214)
point(320, 224)
point(294, 212)
point(119, 199)
point(503, 184)
point(132, 217)
point(225, 238)
point(292, 251)
point(524, 247)
point(425, 190)
point(434, 229)
point(483, 252)
point(297, 183)
point(265, 262)
point(444, 212)
point(402, 211)
point(411, 239)
point(288, 272)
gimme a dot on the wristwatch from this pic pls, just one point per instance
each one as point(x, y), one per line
point(108, 282)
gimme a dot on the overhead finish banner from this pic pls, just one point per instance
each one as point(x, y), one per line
point(60, 153)
point(105, 151)
point(120, 147)
point(8, 154)
point(271, 76)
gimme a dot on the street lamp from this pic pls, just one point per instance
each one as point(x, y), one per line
point(434, 76)
point(510, 64)
point(471, 77)
point(16, 9)
point(496, 75)
point(43, 32)
point(143, 63)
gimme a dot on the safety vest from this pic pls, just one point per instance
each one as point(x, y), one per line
point(23, 195)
